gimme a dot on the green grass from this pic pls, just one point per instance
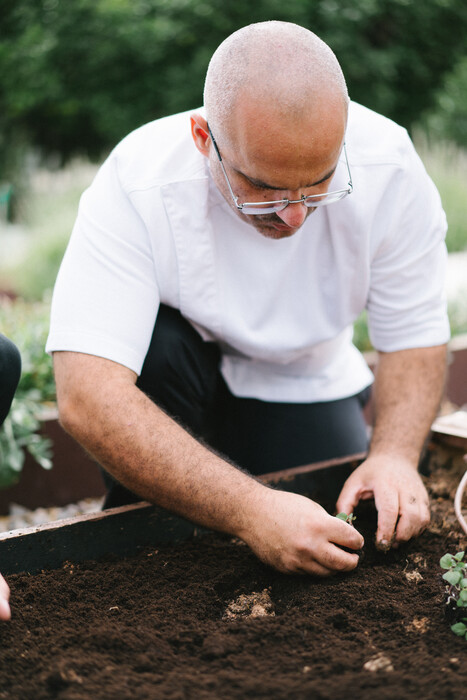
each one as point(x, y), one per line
point(47, 216)
point(447, 166)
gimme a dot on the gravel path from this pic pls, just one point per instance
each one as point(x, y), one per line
point(20, 517)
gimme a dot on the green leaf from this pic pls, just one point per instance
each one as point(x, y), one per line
point(452, 577)
point(463, 583)
point(342, 516)
point(446, 562)
point(459, 556)
point(463, 595)
point(459, 628)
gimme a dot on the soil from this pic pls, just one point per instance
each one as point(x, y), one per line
point(206, 619)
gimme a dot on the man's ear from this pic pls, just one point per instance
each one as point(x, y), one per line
point(199, 131)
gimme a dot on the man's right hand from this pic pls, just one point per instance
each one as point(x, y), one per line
point(153, 456)
point(5, 613)
point(296, 535)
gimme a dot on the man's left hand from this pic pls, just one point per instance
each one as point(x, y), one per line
point(400, 498)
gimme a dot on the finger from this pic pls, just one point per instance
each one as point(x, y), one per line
point(339, 560)
point(4, 589)
point(415, 516)
point(345, 535)
point(314, 568)
point(387, 506)
point(336, 559)
point(349, 496)
point(5, 612)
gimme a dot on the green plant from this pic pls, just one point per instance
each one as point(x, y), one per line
point(446, 164)
point(347, 518)
point(456, 591)
point(27, 325)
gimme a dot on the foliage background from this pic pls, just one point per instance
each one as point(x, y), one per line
point(77, 75)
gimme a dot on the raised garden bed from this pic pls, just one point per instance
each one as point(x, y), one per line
point(205, 619)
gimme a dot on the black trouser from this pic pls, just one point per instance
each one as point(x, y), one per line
point(10, 372)
point(181, 374)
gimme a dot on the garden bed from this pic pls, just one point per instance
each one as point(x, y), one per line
point(205, 619)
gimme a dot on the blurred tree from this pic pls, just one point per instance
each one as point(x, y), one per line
point(447, 121)
point(78, 75)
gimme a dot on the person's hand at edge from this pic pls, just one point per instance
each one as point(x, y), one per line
point(5, 612)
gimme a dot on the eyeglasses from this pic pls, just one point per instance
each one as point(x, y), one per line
point(312, 200)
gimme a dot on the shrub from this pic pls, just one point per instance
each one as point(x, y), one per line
point(27, 325)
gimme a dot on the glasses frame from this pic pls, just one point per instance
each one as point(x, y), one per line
point(311, 200)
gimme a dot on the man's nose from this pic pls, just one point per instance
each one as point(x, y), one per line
point(293, 215)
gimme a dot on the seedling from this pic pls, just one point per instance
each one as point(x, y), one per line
point(456, 591)
point(347, 518)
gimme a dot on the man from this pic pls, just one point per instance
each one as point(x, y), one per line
point(256, 243)
point(10, 372)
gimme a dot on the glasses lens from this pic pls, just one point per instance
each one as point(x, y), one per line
point(257, 208)
point(325, 199)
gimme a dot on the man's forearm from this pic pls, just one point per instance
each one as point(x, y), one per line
point(145, 449)
point(407, 392)
point(153, 456)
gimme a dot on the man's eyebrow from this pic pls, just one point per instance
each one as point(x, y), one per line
point(265, 186)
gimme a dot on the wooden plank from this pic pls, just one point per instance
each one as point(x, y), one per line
point(124, 531)
point(118, 531)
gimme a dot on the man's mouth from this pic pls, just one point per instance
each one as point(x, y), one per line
point(274, 223)
point(281, 227)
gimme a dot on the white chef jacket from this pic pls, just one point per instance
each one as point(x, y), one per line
point(153, 228)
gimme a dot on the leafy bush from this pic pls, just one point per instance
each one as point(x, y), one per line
point(75, 77)
point(27, 326)
point(447, 120)
point(447, 166)
point(456, 591)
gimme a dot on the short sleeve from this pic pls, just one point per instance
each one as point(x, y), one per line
point(407, 303)
point(106, 295)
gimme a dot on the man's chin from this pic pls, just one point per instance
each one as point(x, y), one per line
point(273, 230)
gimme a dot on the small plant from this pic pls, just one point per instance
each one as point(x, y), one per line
point(27, 326)
point(347, 518)
point(456, 591)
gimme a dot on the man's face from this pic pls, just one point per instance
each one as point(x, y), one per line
point(274, 225)
point(265, 162)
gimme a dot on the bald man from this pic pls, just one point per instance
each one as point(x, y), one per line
point(202, 317)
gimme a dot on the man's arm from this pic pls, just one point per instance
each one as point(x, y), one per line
point(407, 393)
point(154, 457)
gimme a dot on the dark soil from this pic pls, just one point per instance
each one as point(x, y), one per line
point(207, 620)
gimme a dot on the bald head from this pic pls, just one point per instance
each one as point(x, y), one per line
point(276, 64)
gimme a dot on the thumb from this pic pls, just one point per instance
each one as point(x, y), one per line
point(348, 497)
